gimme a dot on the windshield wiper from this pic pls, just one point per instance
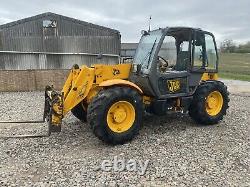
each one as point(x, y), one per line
point(150, 52)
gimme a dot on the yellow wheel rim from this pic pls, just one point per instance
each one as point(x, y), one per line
point(214, 103)
point(121, 116)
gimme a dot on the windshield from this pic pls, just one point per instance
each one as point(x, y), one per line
point(146, 48)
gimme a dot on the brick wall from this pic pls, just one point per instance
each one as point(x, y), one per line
point(31, 80)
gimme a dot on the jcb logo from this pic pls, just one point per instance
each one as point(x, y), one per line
point(174, 85)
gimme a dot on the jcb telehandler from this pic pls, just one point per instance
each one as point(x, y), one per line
point(174, 68)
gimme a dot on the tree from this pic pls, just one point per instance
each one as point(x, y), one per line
point(228, 46)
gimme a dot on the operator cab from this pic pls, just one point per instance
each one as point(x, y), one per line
point(170, 62)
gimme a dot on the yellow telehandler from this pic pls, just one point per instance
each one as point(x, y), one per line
point(174, 68)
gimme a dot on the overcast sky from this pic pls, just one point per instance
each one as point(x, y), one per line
point(226, 19)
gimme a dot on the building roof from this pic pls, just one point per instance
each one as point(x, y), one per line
point(53, 15)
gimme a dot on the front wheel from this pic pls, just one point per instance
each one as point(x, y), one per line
point(115, 114)
point(209, 103)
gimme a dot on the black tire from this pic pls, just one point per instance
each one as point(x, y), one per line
point(98, 110)
point(197, 109)
point(79, 112)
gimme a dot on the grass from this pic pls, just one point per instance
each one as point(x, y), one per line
point(235, 66)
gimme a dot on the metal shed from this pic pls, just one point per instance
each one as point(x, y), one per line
point(52, 41)
point(128, 49)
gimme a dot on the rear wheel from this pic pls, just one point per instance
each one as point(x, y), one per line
point(115, 114)
point(209, 103)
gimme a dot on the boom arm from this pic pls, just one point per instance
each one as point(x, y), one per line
point(76, 88)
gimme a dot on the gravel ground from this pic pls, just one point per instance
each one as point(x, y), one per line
point(237, 86)
point(180, 153)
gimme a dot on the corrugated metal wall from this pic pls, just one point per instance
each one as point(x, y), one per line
point(67, 35)
point(14, 61)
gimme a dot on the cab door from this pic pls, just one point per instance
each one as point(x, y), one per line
point(172, 66)
point(204, 57)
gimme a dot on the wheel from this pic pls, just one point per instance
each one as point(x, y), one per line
point(210, 102)
point(79, 111)
point(115, 114)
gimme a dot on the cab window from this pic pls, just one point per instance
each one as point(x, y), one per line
point(199, 47)
point(211, 54)
point(205, 55)
point(174, 54)
point(184, 46)
point(167, 55)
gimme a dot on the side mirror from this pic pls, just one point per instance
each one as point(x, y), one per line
point(99, 56)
